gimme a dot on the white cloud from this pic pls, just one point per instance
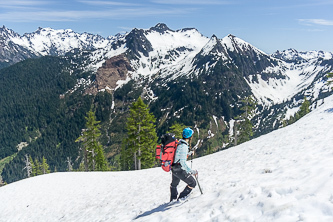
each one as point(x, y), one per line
point(20, 3)
point(106, 3)
point(316, 22)
point(72, 15)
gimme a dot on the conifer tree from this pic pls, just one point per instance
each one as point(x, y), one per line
point(177, 129)
point(44, 166)
point(330, 79)
point(305, 108)
point(33, 167)
point(138, 149)
point(94, 150)
point(101, 162)
point(81, 167)
point(243, 126)
point(37, 167)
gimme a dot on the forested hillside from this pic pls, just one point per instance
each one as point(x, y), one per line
point(34, 115)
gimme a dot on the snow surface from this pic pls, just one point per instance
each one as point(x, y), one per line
point(286, 175)
point(298, 78)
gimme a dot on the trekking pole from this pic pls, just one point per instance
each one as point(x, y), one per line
point(196, 178)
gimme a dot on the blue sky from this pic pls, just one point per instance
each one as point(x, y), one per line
point(269, 25)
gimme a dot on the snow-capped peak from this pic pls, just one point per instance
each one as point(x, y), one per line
point(210, 45)
point(7, 33)
point(238, 45)
point(169, 39)
point(294, 55)
point(160, 27)
point(48, 41)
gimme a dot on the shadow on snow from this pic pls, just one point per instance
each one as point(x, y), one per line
point(160, 208)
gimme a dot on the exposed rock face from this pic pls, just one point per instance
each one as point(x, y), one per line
point(112, 70)
point(137, 42)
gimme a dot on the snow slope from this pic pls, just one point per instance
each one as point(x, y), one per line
point(286, 175)
point(298, 77)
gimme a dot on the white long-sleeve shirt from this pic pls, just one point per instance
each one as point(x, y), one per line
point(181, 155)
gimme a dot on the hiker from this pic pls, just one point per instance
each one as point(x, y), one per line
point(180, 170)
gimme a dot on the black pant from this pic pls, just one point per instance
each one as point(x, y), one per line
point(179, 174)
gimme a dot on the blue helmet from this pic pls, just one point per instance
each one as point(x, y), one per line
point(187, 133)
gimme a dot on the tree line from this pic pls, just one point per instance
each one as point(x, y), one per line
point(34, 167)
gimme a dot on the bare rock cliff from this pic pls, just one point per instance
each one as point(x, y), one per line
point(114, 69)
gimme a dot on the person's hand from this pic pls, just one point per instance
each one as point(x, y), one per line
point(194, 172)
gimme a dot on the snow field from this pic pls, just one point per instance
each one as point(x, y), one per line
point(286, 175)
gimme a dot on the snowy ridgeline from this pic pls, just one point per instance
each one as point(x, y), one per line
point(286, 175)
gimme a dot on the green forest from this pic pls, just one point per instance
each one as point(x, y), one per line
point(33, 112)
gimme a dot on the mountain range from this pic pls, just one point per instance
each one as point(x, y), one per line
point(183, 76)
point(160, 52)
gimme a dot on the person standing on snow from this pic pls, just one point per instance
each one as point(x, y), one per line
point(180, 170)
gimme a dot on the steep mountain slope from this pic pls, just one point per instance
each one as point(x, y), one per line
point(10, 52)
point(40, 113)
point(283, 176)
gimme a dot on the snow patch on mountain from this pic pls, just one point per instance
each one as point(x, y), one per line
point(172, 54)
point(294, 55)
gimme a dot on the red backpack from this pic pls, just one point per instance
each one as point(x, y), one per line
point(166, 151)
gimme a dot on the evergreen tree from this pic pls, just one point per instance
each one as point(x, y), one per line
point(33, 167)
point(243, 125)
point(330, 79)
point(305, 108)
point(93, 149)
point(177, 129)
point(101, 162)
point(245, 129)
point(81, 167)
point(44, 166)
point(126, 158)
point(138, 149)
point(37, 167)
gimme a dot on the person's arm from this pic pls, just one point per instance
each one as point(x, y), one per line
point(182, 156)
